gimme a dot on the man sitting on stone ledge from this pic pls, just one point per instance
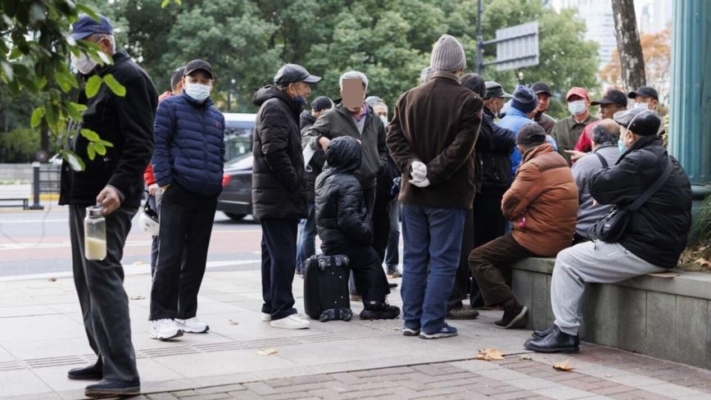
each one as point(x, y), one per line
point(542, 204)
point(652, 242)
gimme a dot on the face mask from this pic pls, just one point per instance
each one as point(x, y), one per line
point(83, 63)
point(384, 119)
point(300, 99)
point(621, 146)
point(642, 105)
point(197, 91)
point(577, 107)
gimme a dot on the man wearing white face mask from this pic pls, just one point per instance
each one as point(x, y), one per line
point(567, 131)
point(188, 165)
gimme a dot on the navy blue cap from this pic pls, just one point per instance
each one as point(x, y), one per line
point(86, 26)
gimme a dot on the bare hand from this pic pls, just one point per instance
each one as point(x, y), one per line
point(153, 189)
point(324, 141)
point(109, 200)
point(576, 155)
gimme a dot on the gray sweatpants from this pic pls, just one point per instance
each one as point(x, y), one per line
point(590, 262)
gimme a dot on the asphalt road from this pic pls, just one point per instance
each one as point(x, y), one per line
point(36, 243)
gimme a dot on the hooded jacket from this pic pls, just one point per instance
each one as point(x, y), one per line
point(542, 202)
point(126, 122)
point(341, 215)
point(493, 152)
point(278, 189)
point(657, 231)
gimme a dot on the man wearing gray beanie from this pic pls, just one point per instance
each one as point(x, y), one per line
point(432, 140)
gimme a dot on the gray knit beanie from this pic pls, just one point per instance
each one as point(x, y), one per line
point(448, 55)
point(524, 99)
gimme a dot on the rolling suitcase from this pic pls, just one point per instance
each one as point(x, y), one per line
point(326, 288)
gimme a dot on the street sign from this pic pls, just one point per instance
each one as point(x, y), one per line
point(516, 47)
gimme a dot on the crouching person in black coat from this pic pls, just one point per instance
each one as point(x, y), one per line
point(344, 227)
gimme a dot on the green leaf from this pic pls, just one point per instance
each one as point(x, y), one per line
point(51, 115)
point(90, 151)
point(83, 8)
point(165, 3)
point(92, 86)
point(74, 160)
point(15, 53)
point(114, 85)
point(100, 149)
point(90, 135)
point(74, 110)
point(8, 70)
point(37, 115)
point(105, 143)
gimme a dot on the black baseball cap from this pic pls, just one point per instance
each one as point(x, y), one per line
point(641, 121)
point(531, 134)
point(540, 87)
point(86, 26)
point(321, 103)
point(612, 96)
point(291, 73)
point(196, 65)
point(495, 90)
point(644, 91)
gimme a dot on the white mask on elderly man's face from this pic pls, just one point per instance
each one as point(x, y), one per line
point(83, 63)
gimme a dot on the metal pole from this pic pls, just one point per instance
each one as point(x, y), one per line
point(36, 186)
point(479, 41)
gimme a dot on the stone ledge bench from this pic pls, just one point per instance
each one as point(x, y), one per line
point(665, 317)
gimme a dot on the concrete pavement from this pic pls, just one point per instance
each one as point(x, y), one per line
point(41, 337)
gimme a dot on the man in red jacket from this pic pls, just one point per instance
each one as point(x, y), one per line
point(612, 102)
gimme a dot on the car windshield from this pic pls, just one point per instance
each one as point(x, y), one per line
point(238, 138)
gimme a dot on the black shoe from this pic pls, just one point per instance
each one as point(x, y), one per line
point(107, 388)
point(91, 373)
point(393, 272)
point(546, 332)
point(555, 342)
point(514, 317)
point(392, 285)
point(379, 310)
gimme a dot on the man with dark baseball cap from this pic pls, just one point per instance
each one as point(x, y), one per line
point(645, 96)
point(494, 98)
point(87, 26)
point(543, 92)
point(612, 102)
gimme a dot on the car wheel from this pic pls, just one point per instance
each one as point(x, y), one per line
point(235, 217)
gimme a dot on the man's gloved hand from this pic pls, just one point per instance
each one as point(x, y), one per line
point(421, 183)
point(418, 171)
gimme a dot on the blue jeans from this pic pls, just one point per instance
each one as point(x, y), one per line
point(306, 245)
point(432, 236)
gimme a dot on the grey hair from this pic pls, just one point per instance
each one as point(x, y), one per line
point(97, 37)
point(426, 74)
point(354, 75)
point(602, 135)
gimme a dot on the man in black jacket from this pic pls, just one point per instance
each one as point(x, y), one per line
point(114, 181)
point(345, 229)
point(652, 241)
point(278, 189)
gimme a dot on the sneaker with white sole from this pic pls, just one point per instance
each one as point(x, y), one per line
point(192, 325)
point(293, 321)
point(266, 317)
point(165, 329)
point(445, 332)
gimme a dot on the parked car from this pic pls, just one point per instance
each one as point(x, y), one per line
point(236, 198)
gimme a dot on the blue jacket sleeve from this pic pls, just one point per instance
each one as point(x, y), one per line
point(163, 130)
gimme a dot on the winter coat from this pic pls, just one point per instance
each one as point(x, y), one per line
point(190, 145)
point(437, 123)
point(545, 121)
point(341, 214)
point(127, 123)
point(315, 165)
point(566, 133)
point(339, 122)
point(657, 231)
point(493, 152)
point(278, 187)
point(583, 170)
point(542, 202)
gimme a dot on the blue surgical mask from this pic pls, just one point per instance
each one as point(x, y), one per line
point(300, 99)
point(621, 146)
point(198, 91)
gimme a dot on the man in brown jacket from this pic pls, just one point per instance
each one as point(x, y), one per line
point(542, 204)
point(432, 138)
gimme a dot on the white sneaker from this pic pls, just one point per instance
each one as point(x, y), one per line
point(165, 329)
point(291, 322)
point(192, 325)
point(266, 317)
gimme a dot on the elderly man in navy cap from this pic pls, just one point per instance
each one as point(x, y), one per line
point(114, 181)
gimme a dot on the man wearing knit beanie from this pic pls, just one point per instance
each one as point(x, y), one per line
point(432, 140)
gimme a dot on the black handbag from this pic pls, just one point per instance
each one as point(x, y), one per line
point(612, 226)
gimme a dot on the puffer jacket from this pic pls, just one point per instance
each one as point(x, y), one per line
point(278, 189)
point(315, 165)
point(657, 231)
point(542, 202)
point(189, 145)
point(493, 152)
point(341, 215)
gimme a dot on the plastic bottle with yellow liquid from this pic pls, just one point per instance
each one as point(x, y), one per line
point(94, 234)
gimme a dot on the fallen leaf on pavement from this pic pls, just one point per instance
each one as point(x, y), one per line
point(137, 298)
point(526, 357)
point(139, 262)
point(52, 279)
point(267, 352)
point(233, 322)
point(490, 355)
point(703, 261)
point(563, 366)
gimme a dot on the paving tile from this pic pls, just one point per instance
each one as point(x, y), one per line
point(18, 383)
point(563, 393)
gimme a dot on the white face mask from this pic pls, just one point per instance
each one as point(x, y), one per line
point(197, 91)
point(577, 107)
point(385, 120)
point(642, 105)
point(83, 63)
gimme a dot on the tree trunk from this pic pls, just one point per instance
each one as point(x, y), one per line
point(628, 44)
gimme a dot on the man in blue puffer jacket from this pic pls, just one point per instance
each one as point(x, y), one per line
point(188, 166)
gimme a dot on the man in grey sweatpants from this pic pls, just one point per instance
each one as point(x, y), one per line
point(652, 242)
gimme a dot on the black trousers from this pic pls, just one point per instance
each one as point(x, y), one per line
point(369, 196)
point(103, 299)
point(381, 225)
point(186, 220)
point(278, 266)
point(366, 267)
